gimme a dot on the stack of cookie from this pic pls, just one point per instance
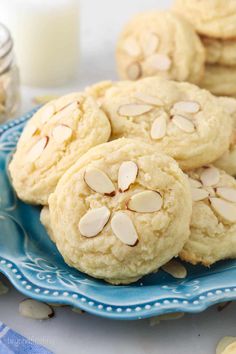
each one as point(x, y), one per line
point(215, 22)
point(160, 43)
point(107, 164)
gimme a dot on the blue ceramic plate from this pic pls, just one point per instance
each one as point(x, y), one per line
point(34, 266)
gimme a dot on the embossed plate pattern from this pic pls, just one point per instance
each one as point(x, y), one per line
point(34, 266)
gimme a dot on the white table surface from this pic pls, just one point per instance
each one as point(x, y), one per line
point(72, 333)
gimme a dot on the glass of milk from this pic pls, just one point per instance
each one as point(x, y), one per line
point(46, 39)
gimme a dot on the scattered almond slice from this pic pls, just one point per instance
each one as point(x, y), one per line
point(93, 222)
point(150, 42)
point(134, 71)
point(169, 316)
point(199, 194)
point(98, 181)
point(127, 175)
point(37, 149)
point(187, 106)
point(175, 268)
point(62, 133)
point(152, 100)
point(224, 209)
point(145, 202)
point(230, 349)
point(124, 229)
point(210, 176)
point(35, 309)
point(66, 110)
point(131, 47)
point(194, 183)
point(132, 109)
point(44, 99)
point(183, 123)
point(158, 129)
point(47, 112)
point(67, 101)
point(159, 62)
point(225, 343)
point(227, 193)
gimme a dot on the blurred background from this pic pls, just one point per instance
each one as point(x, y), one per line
point(52, 57)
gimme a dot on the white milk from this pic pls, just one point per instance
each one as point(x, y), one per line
point(46, 39)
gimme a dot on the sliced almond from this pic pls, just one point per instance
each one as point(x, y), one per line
point(230, 349)
point(158, 129)
point(37, 149)
point(194, 183)
point(93, 222)
point(159, 62)
point(150, 42)
point(134, 71)
point(132, 109)
point(224, 343)
point(30, 130)
point(131, 47)
point(145, 202)
point(98, 181)
point(224, 209)
point(124, 229)
point(35, 309)
point(227, 193)
point(187, 106)
point(66, 110)
point(152, 100)
point(47, 112)
point(210, 176)
point(199, 194)
point(68, 105)
point(211, 191)
point(62, 133)
point(175, 268)
point(127, 175)
point(183, 123)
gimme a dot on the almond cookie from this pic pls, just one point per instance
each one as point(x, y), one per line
point(220, 80)
point(177, 118)
point(220, 51)
point(212, 18)
point(56, 136)
point(122, 211)
point(160, 43)
point(213, 223)
point(227, 162)
point(45, 220)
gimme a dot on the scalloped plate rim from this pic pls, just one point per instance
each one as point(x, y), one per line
point(172, 303)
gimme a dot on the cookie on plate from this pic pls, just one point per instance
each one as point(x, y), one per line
point(218, 51)
point(179, 119)
point(160, 43)
point(227, 162)
point(212, 18)
point(56, 136)
point(213, 223)
point(45, 220)
point(220, 80)
point(122, 211)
